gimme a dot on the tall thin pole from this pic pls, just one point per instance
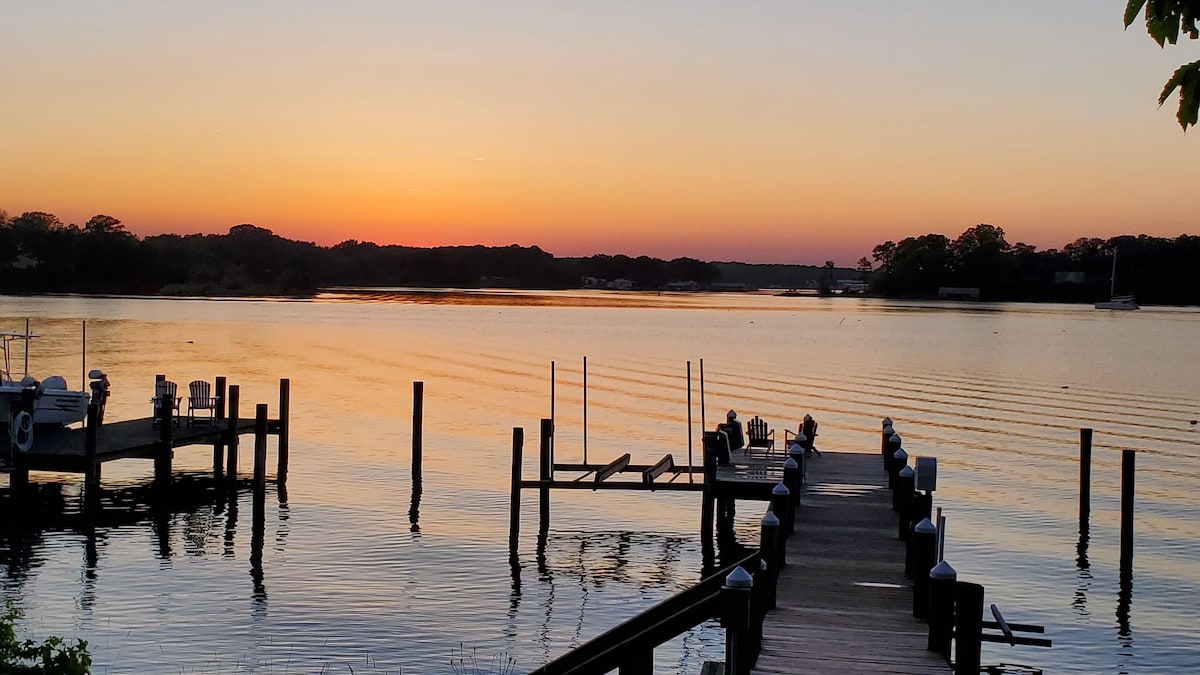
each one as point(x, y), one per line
point(26, 348)
point(552, 379)
point(703, 425)
point(689, 418)
point(83, 358)
point(585, 410)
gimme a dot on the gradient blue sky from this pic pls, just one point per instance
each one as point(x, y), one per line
point(767, 132)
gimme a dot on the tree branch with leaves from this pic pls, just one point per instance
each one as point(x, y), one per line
point(1165, 20)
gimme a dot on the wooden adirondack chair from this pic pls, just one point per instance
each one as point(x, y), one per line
point(759, 437)
point(164, 395)
point(200, 398)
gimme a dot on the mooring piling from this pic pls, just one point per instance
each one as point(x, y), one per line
point(260, 446)
point(91, 477)
point(514, 497)
point(218, 457)
point(162, 455)
point(942, 579)
point(1085, 479)
point(285, 413)
point(924, 544)
point(968, 628)
point(545, 474)
point(1128, 460)
point(231, 443)
point(418, 416)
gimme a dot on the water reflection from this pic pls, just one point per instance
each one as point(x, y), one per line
point(179, 524)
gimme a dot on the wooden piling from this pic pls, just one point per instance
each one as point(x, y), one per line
point(545, 474)
point(1128, 460)
point(417, 447)
point(781, 504)
point(734, 599)
point(285, 413)
point(514, 497)
point(1085, 479)
point(769, 550)
point(942, 581)
point(710, 445)
point(925, 538)
point(218, 459)
point(902, 498)
point(165, 450)
point(260, 446)
point(968, 628)
point(91, 477)
point(791, 479)
point(231, 443)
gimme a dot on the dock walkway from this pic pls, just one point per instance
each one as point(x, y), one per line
point(843, 603)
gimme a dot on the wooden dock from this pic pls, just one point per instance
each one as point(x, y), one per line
point(85, 450)
point(843, 603)
point(65, 449)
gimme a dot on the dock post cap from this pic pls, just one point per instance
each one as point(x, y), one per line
point(907, 471)
point(791, 463)
point(895, 438)
point(900, 455)
point(795, 450)
point(769, 519)
point(780, 489)
point(943, 571)
point(731, 415)
point(888, 431)
point(887, 421)
point(739, 578)
point(807, 417)
point(925, 527)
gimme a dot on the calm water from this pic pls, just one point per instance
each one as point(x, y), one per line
point(996, 392)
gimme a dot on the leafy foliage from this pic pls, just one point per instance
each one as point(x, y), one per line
point(1165, 20)
point(1159, 270)
point(54, 656)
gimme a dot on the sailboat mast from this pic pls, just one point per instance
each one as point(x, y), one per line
point(1112, 277)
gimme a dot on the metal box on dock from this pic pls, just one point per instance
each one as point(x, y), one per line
point(926, 474)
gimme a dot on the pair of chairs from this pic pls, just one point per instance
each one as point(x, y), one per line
point(200, 400)
point(761, 438)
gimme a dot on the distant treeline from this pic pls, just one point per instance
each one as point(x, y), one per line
point(1155, 269)
point(40, 254)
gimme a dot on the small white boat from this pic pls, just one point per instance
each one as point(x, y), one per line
point(1118, 302)
point(53, 402)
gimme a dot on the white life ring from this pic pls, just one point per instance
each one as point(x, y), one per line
point(20, 431)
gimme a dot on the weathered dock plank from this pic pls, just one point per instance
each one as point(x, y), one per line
point(843, 604)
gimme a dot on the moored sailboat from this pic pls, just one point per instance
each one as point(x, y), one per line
point(1116, 301)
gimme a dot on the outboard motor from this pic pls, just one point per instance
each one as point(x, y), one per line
point(99, 386)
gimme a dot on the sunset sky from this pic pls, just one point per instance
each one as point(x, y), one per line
point(770, 131)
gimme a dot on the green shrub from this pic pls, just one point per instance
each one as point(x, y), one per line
point(52, 657)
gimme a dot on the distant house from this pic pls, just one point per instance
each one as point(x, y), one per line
point(1070, 277)
point(681, 286)
point(850, 285)
point(958, 293)
point(594, 282)
point(620, 285)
